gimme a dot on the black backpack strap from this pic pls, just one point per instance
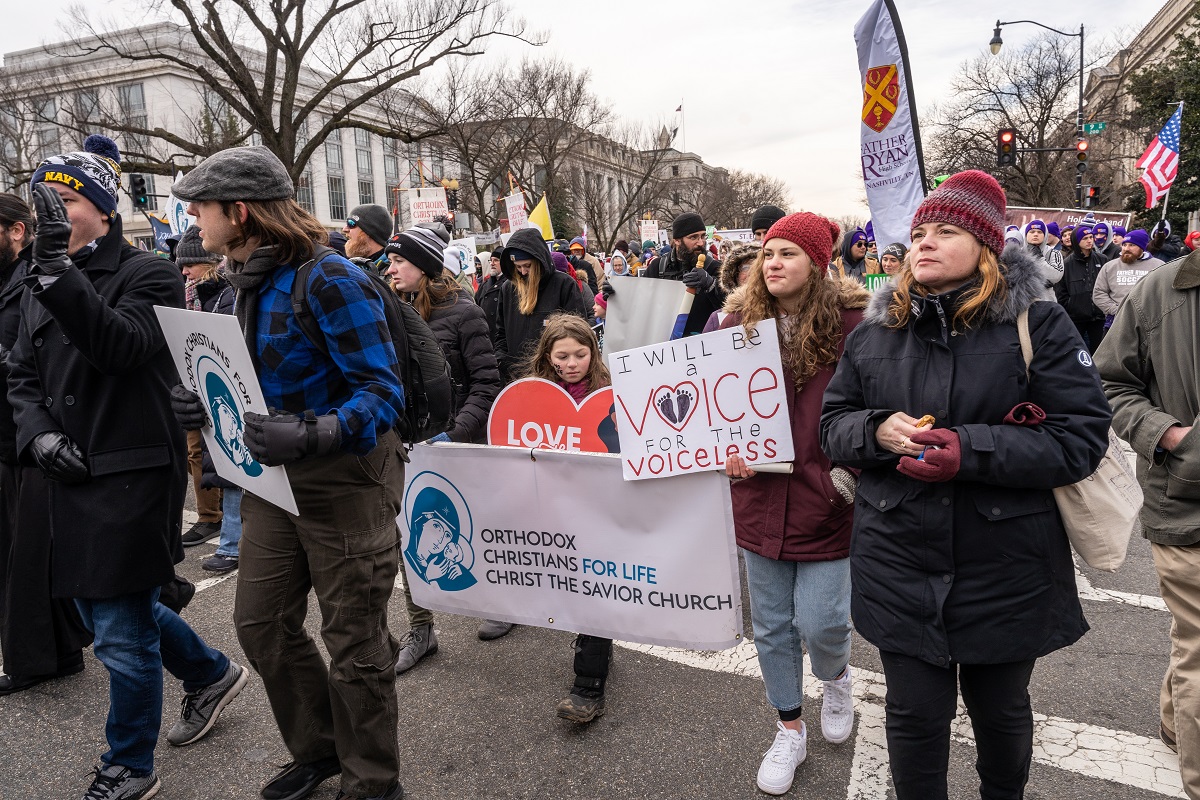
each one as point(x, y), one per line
point(300, 307)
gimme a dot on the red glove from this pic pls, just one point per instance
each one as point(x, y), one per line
point(1025, 414)
point(936, 465)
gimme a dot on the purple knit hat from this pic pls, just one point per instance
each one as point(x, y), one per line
point(562, 264)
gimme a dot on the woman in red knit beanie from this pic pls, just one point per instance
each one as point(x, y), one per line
point(962, 573)
point(794, 530)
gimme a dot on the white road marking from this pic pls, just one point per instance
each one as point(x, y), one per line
point(1077, 747)
point(208, 583)
point(1089, 592)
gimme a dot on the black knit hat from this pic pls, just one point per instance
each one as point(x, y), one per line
point(373, 220)
point(765, 217)
point(686, 224)
point(190, 250)
point(499, 251)
point(420, 246)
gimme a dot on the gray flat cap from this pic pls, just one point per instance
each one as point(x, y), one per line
point(239, 173)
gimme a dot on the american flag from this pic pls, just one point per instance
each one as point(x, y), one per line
point(1161, 160)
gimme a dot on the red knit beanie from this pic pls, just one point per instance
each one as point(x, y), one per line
point(971, 200)
point(813, 234)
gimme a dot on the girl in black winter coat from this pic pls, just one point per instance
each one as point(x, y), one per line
point(418, 274)
point(960, 567)
point(534, 291)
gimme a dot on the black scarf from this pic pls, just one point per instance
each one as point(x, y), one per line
point(246, 278)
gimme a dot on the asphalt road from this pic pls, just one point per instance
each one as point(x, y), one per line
point(477, 719)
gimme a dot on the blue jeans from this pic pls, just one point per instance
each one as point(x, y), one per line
point(231, 523)
point(136, 637)
point(796, 604)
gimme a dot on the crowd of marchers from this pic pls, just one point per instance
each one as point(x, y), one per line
point(920, 510)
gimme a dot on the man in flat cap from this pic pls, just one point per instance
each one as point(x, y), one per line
point(340, 399)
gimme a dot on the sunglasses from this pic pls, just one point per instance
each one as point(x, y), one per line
point(352, 223)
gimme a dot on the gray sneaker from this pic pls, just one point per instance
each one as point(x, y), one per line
point(115, 782)
point(494, 629)
point(202, 707)
point(419, 642)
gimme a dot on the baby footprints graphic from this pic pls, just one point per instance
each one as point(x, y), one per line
point(676, 404)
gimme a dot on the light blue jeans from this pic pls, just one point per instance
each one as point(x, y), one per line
point(797, 604)
point(231, 522)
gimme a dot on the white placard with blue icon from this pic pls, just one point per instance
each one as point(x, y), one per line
point(651, 562)
point(213, 362)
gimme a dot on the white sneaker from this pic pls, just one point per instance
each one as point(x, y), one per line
point(778, 766)
point(837, 709)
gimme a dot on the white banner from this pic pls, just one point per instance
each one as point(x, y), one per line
point(654, 563)
point(890, 144)
point(464, 251)
point(687, 405)
point(425, 204)
point(640, 312)
point(176, 210)
point(213, 361)
point(648, 229)
point(518, 217)
point(736, 234)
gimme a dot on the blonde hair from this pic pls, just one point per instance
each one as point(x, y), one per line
point(566, 326)
point(975, 301)
point(814, 337)
point(527, 287)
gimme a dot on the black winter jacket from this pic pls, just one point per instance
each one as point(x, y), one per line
point(12, 282)
point(975, 570)
point(461, 329)
point(487, 296)
point(517, 334)
point(91, 362)
point(668, 268)
point(1074, 291)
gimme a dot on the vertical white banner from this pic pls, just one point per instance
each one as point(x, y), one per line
point(890, 138)
point(648, 228)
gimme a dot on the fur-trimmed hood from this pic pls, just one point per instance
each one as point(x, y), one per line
point(1020, 270)
point(732, 265)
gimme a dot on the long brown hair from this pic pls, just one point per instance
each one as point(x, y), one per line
point(283, 224)
point(813, 336)
point(431, 293)
point(527, 287)
point(566, 326)
point(990, 286)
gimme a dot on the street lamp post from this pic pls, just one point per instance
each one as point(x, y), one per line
point(997, 43)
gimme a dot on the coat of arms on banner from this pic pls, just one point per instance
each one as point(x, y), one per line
point(881, 92)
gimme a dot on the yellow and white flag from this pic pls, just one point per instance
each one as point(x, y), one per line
point(540, 216)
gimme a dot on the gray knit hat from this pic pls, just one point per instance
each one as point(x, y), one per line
point(373, 220)
point(239, 173)
point(190, 250)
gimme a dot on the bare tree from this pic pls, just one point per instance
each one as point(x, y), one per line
point(293, 72)
point(611, 205)
point(729, 199)
point(1032, 89)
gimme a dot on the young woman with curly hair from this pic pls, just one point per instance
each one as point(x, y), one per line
point(794, 530)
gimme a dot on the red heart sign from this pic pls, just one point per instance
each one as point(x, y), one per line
point(676, 404)
point(536, 413)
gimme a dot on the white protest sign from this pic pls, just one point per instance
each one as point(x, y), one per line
point(425, 204)
point(654, 563)
point(177, 216)
point(464, 250)
point(687, 405)
point(213, 362)
point(641, 311)
point(518, 217)
point(648, 230)
point(736, 234)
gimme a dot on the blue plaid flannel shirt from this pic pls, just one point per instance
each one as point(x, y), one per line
point(357, 380)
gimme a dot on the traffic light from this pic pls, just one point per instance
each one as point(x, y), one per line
point(1091, 196)
point(1081, 154)
point(1006, 147)
point(137, 191)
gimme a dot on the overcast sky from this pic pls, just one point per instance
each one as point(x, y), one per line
point(777, 92)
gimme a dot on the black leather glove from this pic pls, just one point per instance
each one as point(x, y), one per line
point(53, 232)
point(607, 290)
point(188, 408)
point(58, 457)
point(276, 439)
point(698, 279)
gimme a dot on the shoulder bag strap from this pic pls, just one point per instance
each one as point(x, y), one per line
point(1026, 342)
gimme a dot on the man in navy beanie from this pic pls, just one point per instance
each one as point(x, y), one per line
point(90, 380)
point(679, 264)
